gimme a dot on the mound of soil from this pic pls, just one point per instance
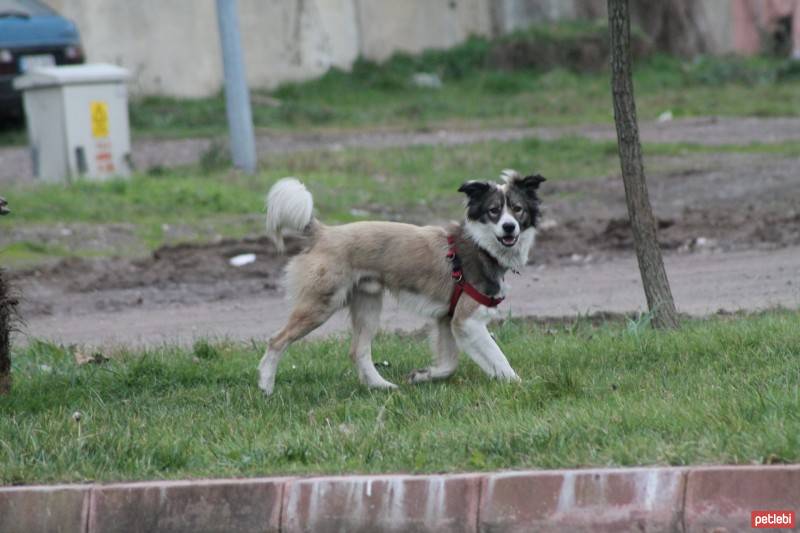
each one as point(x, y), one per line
point(187, 264)
point(618, 235)
point(720, 230)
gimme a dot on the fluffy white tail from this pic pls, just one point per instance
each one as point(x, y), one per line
point(289, 208)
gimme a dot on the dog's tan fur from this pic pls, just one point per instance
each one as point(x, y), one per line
point(399, 257)
point(353, 265)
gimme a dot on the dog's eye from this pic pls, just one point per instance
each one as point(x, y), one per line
point(517, 209)
point(494, 211)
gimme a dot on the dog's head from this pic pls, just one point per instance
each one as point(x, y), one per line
point(506, 210)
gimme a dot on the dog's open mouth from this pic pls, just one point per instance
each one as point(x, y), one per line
point(508, 240)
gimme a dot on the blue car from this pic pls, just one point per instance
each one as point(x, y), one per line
point(32, 35)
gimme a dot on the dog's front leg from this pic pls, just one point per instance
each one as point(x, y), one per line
point(474, 339)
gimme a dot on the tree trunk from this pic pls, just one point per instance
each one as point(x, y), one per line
point(6, 311)
point(643, 224)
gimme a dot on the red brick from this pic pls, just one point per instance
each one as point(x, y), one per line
point(583, 500)
point(720, 499)
point(382, 503)
point(230, 506)
point(56, 509)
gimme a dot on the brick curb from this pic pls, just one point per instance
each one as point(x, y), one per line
point(718, 498)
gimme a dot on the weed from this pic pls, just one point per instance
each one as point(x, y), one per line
point(635, 327)
point(216, 157)
point(202, 349)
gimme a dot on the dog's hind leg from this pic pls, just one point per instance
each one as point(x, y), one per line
point(304, 319)
point(365, 314)
point(445, 351)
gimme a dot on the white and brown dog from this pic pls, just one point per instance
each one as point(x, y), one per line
point(450, 275)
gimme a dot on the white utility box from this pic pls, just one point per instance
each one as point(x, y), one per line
point(77, 120)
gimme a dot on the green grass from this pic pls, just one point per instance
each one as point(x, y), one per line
point(397, 179)
point(726, 390)
point(30, 253)
point(416, 184)
point(548, 75)
point(405, 181)
point(489, 98)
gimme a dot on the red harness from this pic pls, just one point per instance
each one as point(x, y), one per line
point(462, 285)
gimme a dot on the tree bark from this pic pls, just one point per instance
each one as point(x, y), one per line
point(6, 311)
point(643, 224)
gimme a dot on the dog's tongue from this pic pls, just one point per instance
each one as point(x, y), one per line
point(509, 240)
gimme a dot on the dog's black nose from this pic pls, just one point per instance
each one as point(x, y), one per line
point(509, 227)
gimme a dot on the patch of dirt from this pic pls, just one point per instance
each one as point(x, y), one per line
point(171, 275)
point(704, 202)
point(694, 231)
point(170, 265)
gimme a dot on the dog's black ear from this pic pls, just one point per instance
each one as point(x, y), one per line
point(531, 182)
point(528, 185)
point(475, 189)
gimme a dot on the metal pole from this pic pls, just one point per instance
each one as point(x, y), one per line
point(237, 97)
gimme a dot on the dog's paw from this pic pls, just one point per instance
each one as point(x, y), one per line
point(266, 388)
point(419, 375)
point(384, 385)
point(511, 377)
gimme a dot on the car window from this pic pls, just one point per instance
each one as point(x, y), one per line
point(32, 8)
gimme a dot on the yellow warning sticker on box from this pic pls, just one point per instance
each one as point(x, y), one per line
point(99, 114)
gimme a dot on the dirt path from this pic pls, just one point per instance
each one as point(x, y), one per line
point(702, 283)
point(15, 164)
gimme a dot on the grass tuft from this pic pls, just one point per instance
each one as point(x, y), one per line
point(204, 350)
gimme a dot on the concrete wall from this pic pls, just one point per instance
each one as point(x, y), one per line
point(387, 26)
point(511, 15)
point(172, 47)
point(716, 21)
